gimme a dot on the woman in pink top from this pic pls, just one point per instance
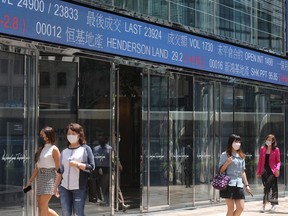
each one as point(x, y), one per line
point(268, 169)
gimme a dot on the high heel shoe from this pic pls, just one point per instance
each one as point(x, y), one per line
point(124, 207)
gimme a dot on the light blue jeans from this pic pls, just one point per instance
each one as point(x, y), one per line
point(72, 201)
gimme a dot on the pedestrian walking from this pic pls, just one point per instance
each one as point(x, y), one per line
point(232, 162)
point(72, 178)
point(269, 170)
point(47, 162)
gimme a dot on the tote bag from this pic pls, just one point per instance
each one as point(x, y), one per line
point(220, 181)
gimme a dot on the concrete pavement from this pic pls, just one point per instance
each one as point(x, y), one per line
point(252, 208)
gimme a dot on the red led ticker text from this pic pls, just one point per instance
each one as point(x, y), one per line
point(13, 23)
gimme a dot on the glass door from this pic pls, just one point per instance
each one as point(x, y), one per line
point(77, 89)
point(155, 140)
point(181, 132)
point(17, 117)
point(128, 99)
point(58, 77)
point(206, 137)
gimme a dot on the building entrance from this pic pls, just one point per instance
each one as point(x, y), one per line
point(156, 126)
point(167, 128)
point(142, 128)
point(17, 137)
point(128, 134)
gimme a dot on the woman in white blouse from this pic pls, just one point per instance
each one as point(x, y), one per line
point(47, 160)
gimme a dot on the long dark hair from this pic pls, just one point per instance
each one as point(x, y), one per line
point(50, 134)
point(274, 141)
point(79, 130)
point(232, 138)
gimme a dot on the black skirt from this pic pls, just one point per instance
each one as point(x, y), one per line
point(232, 192)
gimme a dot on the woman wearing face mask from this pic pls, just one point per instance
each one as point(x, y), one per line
point(75, 163)
point(268, 169)
point(232, 162)
point(47, 162)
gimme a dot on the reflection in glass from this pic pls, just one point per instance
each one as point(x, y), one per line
point(13, 144)
point(157, 169)
point(204, 137)
point(258, 23)
point(181, 135)
point(94, 114)
point(57, 85)
point(57, 96)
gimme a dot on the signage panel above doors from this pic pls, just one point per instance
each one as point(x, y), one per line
point(86, 28)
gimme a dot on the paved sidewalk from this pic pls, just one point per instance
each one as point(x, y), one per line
point(252, 208)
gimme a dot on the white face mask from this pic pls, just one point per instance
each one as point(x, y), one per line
point(236, 145)
point(268, 143)
point(72, 138)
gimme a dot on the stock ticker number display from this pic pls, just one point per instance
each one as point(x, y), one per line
point(64, 23)
point(18, 23)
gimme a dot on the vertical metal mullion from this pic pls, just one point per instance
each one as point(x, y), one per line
point(78, 89)
point(169, 11)
point(193, 135)
point(215, 20)
point(284, 139)
point(148, 138)
point(168, 138)
point(26, 130)
point(284, 23)
point(113, 118)
point(233, 108)
point(30, 119)
point(214, 134)
point(251, 22)
point(36, 92)
point(117, 73)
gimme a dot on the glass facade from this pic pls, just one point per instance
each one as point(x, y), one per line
point(167, 126)
point(17, 116)
point(259, 24)
point(170, 126)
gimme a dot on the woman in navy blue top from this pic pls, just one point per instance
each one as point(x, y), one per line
point(76, 162)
